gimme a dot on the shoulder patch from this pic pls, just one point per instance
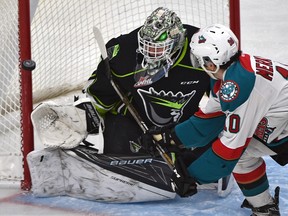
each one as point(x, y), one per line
point(229, 91)
point(116, 50)
point(113, 51)
point(245, 61)
point(236, 88)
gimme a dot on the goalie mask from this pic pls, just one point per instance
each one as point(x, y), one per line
point(161, 36)
point(215, 44)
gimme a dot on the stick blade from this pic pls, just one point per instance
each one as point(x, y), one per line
point(100, 41)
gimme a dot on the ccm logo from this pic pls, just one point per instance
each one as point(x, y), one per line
point(189, 82)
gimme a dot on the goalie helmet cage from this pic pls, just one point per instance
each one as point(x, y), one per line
point(59, 36)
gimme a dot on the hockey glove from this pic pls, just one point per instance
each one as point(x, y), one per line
point(185, 185)
point(161, 135)
point(93, 120)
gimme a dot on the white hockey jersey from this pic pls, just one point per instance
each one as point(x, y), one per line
point(254, 98)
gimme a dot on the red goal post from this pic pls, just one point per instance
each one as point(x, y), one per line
point(58, 36)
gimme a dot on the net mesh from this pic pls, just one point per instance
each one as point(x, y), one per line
point(65, 51)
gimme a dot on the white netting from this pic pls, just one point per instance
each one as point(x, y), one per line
point(65, 51)
point(63, 44)
point(10, 134)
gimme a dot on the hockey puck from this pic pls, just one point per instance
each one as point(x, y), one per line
point(28, 65)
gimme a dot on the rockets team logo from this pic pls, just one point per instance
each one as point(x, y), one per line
point(231, 41)
point(229, 91)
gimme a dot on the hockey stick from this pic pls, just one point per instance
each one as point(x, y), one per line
point(123, 97)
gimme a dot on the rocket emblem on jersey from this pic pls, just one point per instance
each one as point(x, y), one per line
point(163, 107)
point(229, 91)
point(263, 131)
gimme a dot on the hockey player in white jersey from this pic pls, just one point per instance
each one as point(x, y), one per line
point(249, 95)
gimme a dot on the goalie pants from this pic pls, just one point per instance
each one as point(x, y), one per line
point(119, 132)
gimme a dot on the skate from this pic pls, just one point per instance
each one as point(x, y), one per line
point(266, 210)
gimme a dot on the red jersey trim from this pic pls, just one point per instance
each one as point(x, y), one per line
point(216, 86)
point(227, 153)
point(201, 114)
point(245, 61)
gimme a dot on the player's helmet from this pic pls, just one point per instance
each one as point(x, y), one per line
point(161, 36)
point(216, 44)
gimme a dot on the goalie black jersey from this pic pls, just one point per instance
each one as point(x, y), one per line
point(170, 99)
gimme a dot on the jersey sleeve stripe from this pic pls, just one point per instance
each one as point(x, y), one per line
point(227, 153)
point(201, 114)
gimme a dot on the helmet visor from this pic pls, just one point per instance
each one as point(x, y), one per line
point(205, 63)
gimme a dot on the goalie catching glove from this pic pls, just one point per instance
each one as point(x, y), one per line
point(184, 184)
point(66, 126)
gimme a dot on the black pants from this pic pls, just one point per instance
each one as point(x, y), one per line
point(282, 153)
point(119, 132)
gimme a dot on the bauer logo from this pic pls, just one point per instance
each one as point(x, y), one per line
point(131, 162)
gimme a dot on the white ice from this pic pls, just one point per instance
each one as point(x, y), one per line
point(264, 29)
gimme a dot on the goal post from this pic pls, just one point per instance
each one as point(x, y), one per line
point(58, 36)
point(26, 100)
point(234, 18)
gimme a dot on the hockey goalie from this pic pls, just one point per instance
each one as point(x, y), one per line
point(103, 149)
point(72, 162)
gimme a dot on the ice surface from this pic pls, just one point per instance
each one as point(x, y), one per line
point(264, 32)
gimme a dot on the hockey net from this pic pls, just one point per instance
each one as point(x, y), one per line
point(65, 52)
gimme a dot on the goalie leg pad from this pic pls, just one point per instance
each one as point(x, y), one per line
point(46, 173)
point(87, 180)
point(62, 172)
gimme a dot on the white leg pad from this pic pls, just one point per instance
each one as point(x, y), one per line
point(61, 172)
point(46, 172)
point(89, 181)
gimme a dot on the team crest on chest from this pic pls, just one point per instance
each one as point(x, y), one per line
point(163, 107)
point(229, 91)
